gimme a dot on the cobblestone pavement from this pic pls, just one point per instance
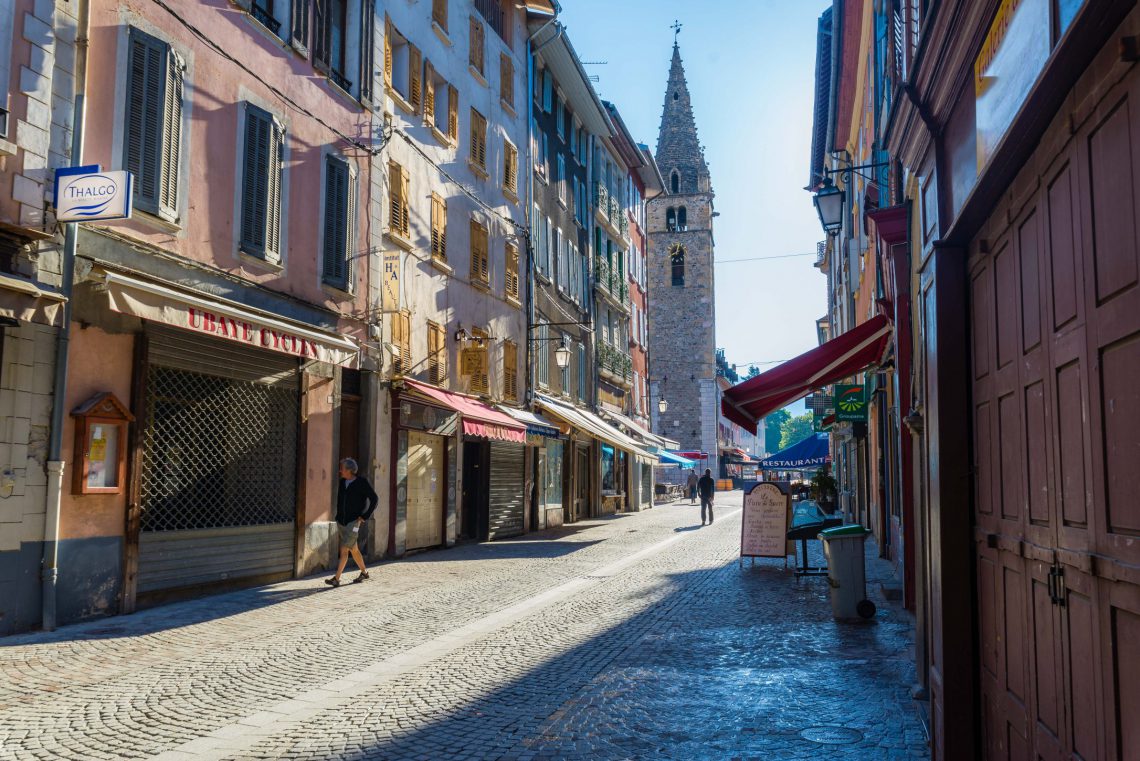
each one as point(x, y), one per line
point(636, 636)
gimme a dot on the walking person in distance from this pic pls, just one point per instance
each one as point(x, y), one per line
point(707, 487)
point(691, 485)
point(355, 502)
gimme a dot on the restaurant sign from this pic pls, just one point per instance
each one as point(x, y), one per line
point(764, 526)
point(850, 402)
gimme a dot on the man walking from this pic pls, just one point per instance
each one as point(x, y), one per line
point(707, 487)
point(691, 485)
point(355, 503)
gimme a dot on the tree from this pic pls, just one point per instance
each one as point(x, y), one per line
point(772, 425)
point(795, 430)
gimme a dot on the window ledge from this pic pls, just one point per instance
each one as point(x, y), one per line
point(340, 293)
point(442, 265)
point(399, 239)
point(441, 33)
point(511, 195)
point(562, 203)
point(338, 90)
point(152, 219)
point(477, 74)
point(399, 99)
point(481, 284)
point(507, 107)
point(442, 137)
point(7, 148)
point(542, 278)
point(478, 170)
point(541, 177)
point(514, 302)
point(260, 262)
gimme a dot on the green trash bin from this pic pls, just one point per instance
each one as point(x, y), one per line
point(846, 574)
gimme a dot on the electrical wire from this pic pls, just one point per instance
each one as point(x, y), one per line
point(761, 258)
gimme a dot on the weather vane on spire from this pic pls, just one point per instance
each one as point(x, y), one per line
point(676, 27)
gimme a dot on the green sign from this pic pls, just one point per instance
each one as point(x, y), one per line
point(818, 424)
point(850, 403)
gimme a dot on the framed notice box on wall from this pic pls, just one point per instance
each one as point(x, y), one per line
point(101, 425)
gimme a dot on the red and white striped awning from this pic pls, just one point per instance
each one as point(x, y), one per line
point(859, 348)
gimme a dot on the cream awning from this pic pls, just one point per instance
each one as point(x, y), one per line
point(594, 425)
point(23, 301)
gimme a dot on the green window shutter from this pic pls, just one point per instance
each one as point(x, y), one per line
point(367, 48)
point(146, 84)
point(274, 181)
point(338, 210)
point(299, 21)
point(255, 180)
point(171, 144)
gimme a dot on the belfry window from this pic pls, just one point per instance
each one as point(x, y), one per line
point(677, 263)
point(682, 221)
point(671, 220)
point(675, 181)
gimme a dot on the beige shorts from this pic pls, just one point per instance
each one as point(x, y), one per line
point(348, 537)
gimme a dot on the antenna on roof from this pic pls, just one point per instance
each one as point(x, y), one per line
point(594, 77)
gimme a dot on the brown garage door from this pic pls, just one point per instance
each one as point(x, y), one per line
point(1055, 311)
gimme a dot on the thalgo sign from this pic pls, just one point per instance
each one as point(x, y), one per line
point(256, 335)
point(88, 194)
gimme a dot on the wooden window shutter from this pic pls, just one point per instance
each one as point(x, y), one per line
point(299, 24)
point(479, 265)
point(398, 216)
point(429, 93)
point(510, 370)
point(144, 89)
point(273, 207)
point(405, 196)
point(437, 355)
point(512, 266)
point(338, 214)
point(415, 76)
point(387, 52)
point(452, 112)
point(511, 168)
point(506, 79)
point(439, 13)
point(481, 382)
point(368, 49)
point(476, 54)
point(171, 136)
point(438, 227)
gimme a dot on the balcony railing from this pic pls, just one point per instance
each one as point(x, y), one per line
point(601, 197)
point(602, 272)
point(615, 362)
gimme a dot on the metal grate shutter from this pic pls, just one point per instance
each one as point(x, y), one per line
point(219, 462)
point(506, 487)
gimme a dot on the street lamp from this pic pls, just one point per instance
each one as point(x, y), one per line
point(562, 355)
point(828, 202)
point(662, 405)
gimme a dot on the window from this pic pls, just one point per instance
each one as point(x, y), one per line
point(511, 169)
point(677, 264)
point(511, 255)
point(560, 178)
point(547, 91)
point(479, 264)
point(438, 228)
point(478, 155)
point(399, 217)
point(506, 79)
point(330, 43)
point(481, 382)
point(560, 117)
point(439, 13)
point(444, 120)
point(582, 372)
point(339, 222)
point(542, 355)
point(261, 185)
point(403, 67)
point(682, 219)
point(402, 338)
point(548, 241)
point(153, 124)
point(671, 220)
point(510, 371)
point(575, 195)
point(437, 354)
point(475, 57)
point(675, 181)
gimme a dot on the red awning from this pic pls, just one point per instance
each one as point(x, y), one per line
point(479, 419)
point(857, 349)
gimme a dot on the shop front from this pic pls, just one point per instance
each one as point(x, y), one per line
point(212, 483)
point(545, 462)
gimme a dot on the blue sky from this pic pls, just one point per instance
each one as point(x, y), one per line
point(750, 66)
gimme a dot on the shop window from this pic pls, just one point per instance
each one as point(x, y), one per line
point(552, 481)
point(609, 469)
point(153, 124)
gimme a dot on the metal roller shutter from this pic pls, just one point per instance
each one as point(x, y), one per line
point(506, 490)
point(219, 462)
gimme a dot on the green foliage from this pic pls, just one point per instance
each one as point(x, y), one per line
point(772, 425)
point(823, 486)
point(795, 429)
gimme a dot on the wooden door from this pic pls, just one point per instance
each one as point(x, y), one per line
point(350, 428)
point(425, 491)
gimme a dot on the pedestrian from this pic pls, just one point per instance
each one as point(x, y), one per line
point(355, 502)
point(692, 486)
point(707, 487)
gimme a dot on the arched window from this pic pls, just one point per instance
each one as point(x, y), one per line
point(682, 220)
point(675, 181)
point(671, 220)
point(677, 262)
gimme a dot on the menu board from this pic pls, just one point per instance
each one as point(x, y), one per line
point(764, 527)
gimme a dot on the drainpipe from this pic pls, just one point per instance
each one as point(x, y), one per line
point(49, 574)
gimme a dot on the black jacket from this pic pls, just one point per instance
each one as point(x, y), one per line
point(706, 486)
point(357, 500)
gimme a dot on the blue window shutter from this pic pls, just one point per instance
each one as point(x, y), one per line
point(255, 180)
point(339, 209)
point(142, 142)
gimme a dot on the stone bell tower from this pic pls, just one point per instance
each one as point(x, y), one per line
point(682, 302)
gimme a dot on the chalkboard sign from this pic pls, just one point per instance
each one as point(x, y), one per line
point(764, 525)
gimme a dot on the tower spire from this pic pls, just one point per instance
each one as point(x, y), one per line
point(678, 147)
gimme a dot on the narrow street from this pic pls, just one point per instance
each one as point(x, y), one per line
point(635, 636)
